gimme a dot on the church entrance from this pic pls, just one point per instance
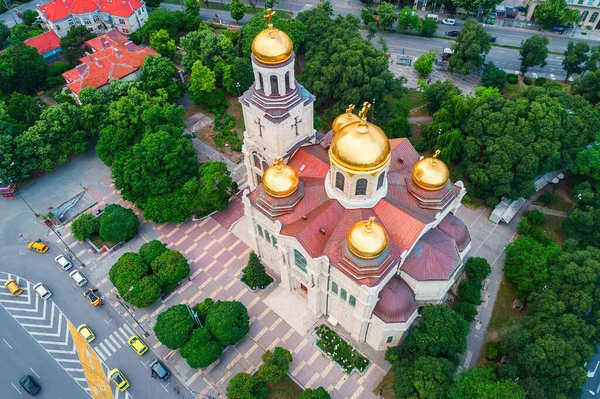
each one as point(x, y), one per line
point(303, 287)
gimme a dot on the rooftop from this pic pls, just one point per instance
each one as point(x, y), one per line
point(45, 42)
point(57, 10)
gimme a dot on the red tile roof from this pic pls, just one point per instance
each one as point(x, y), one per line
point(396, 302)
point(455, 228)
point(45, 42)
point(118, 59)
point(60, 9)
point(434, 257)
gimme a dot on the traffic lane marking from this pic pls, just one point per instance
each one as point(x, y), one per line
point(17, 389)
point(7, 344)
point(92, 367)
point(36, 374)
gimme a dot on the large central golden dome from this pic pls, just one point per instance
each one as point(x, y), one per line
point(360, 147)
point(367, 239)
point(430, 173)
point(272, 46)
point(280, 180)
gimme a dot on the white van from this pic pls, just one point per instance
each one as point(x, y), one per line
point(78, 278)
point(42, 291)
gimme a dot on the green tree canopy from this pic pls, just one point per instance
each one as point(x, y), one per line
point(129, 269)
point(408, 19)
point(24, 109)
point(171, 266)
point(29, 17)
point(22, 69)
point(555, 12)
point(477, 268)
point(276, 365)
point(159, 73)
point(471, 46)
point(84, 226)
point(145, 292)
point(534, 52)
point(228, 321)
point(576, 58)
point(162, 42)
point(245, 386)
point(73, 44)
point(428, 27)
point(481, 383)
point(202, 349)
point(425, 377)
point(424, 64)
point(159, 18)
point(205, 46)
point(176, 206)
point(118, 224)
point(438, 92)
point(216, 187)
point(318, 393)
point(237, 10)
point(174, 326)
point(588, 86)
point(191, 7)
point(202, 83)
point(493, 76)
point(254, 274)
point(387, 14)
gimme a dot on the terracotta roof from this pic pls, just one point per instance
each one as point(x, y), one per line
point(45, 42)
point(113, 62)
point(396, 302)
point(60, 9)
point(434, 257)
point(455, 228)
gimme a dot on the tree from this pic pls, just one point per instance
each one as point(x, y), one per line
point(294, 28)
point(118, 224)
point(159, 73)
point(159, 18)
point(576, 57)
point(534, 52)
point(387, 14)
point(428, 27)
point(152, 250)
point(73, 44)
point(481, 383)
point(202, 349)
point(408, 19)
point(145, 292)
point(21, 32)
point(191, 7)
point(493, 76)
point(84, 226)
point(171, 266)
point(319, 393)
point(588, 86)
point(202, 83)
point(555, 12)
point(4, 33)
point(470, 291)
point(127, 271)
point(372, 29)
point(254, 274)
point(22, 69)
point(228, 321)
point(205, 46)
point(176, 206)
point(162, 42)
point(536, 217)
point(245, 386)
point(467, 310)
point(424, 64)
point(477, 268)
point(383, 43)
point(242, 73)
point(367, 15)
point(216, 187)
point(29, 17)
point(237, 10)
point(174, 326)
point(438, 92)
point(588, 161)
point(481, 6)
point(276, 365)
point(423, 377)
point(24, 109)
point(470, 48)
point(202, 309)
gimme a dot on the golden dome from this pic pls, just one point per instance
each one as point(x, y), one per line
point(280, 180)
point(430, 173)
point(272, 46)
point(367, 239)
point(344, 119)
point(360, 147)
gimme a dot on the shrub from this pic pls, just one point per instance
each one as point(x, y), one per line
point(84, 226)
point(228, 321)
point(201, 350)
point(467, 310)
point(340, 351)
point(128, 270)
point(276, 365)
point(493, 350)
point(548, 197)
point(319, 393)
point(171, 266)
point(512, 78)
point(527, 80)
point(174, 326)
point(418, 145)
point(118, 224)
point(541, 81)
point(470, 291)
point(144, 293)
point(536, 217)
point(202, 309)
point(477, 268)
point(245, 386)
point(255, 275)
point(151, 250)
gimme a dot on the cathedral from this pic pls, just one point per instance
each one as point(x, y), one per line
point(358, 225)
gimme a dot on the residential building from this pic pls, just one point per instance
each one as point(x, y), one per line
point(589, 10)
point(47, 44)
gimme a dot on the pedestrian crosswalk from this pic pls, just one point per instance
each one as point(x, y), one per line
point(113, 342)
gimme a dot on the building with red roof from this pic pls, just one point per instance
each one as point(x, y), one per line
point(98, 16)
point(359, 226)
point(47, 44)
point(114, 57)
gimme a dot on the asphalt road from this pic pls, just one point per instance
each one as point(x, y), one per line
point(592, 386)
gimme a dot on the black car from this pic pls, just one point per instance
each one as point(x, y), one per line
point(159, 370)
point(452, 33)
point(29, 385)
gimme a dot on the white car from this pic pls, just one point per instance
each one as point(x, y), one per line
point(63, 262)
point(78, 278)
point(449, 21)
point(42, 291)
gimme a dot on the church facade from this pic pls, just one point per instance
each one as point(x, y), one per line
point(358, 225)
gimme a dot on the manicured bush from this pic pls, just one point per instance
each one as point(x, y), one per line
point(151, 250)
point(145, 292)
point(467, 310)
point(228, 321)
point(541, 81)
point(340, 351)
point(202, 309)
point(512, 78)
point(536, 217)
point(118, 224)
point(548, 197)
point(170, 267)
point(255, 275)
point(276, 365)
point(174, 326)
point(493, 350)
point(202, 349)
point(245, 386)
point(527, 80)
point(84, 226)
point(128, 270)
point(477, 268)
point(470, 291)
point(319, 393)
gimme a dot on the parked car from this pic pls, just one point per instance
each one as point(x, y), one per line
point(159, 370)
point(38, 247)
point(78, 278)
point(493, 39)
point(13, 287)
point(138, 345)
point(42, 291)
point(93, 297)
point(449, 21)
point(30, 385)
point(86, 333)
point(119, 379)
point(452, 33)
point(63, 262)
point(435, 17)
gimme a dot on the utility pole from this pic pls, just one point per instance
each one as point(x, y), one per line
point(130, 314)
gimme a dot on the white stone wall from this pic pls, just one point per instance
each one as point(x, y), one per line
point(348, 197)
point(379, 332)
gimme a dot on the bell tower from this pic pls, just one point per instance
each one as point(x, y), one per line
point(278, 111)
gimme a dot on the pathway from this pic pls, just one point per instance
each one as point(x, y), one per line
point(548, 211)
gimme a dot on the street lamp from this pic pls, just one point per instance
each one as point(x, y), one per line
point(373, 110)
point(130, 314)
point(237, 86)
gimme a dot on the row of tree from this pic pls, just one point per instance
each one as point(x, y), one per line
point(386, 15)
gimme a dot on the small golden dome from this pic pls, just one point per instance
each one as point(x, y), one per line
point(360, 147)
point(272, 46)
point(430, 173)
point(367, 239)
point(280, 180)
point(344, 119)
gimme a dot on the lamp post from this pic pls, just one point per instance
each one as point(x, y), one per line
point(146, 335)
point(237, 86)
point(373, 110)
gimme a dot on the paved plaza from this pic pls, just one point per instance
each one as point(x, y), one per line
point(467, 84)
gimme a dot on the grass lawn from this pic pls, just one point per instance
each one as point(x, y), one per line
point(504, 314)
point(235, 110)
point(386, 385)
point(284, 389)
point(512, 90)
point(99, 242)
point(552, 228)
point(415, 98)
point(562, 203)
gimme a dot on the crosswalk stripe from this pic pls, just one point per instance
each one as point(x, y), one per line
point(112, 348)
point(117, 344)
point(108, 353)
point(100, 353)
point(123, 341)
point(131, 332)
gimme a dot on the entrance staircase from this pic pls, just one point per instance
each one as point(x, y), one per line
point(292, 308)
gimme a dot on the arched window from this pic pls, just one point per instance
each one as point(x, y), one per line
point(584, 15)
point(299, 260)
point(380, 180)
point(274, 85)
point(339, 181)
point(260, 230)
point(593, 18)
point(258, 179)
point(361, 187)
point(265, 165)
point(260, 82)
point(287, 81)
point(256, 160)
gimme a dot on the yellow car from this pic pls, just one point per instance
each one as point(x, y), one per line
point(86, 333)
point(13, 287)
point(119, 380)
point(38, 246)
point(138, 345)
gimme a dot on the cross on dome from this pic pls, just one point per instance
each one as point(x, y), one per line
point(362, 114)
point(350, 109)
point(269, 18)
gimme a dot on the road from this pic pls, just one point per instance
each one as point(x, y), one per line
point(592, 386)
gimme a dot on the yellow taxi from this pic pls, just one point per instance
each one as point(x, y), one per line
point(119, 379)
point(138, 345)
point(38, 247)
point(86, 333)
point(93, 297)
point(13, 287)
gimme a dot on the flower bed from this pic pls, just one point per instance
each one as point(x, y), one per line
point(340, 351)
